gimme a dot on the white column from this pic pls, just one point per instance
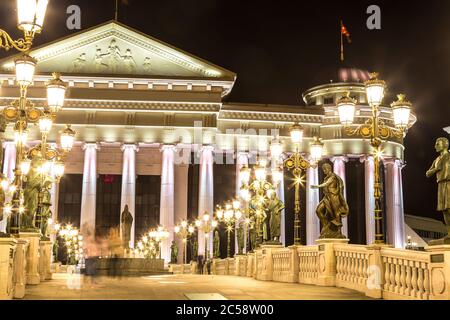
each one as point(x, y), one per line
point(182, 160)
point(395, 226)
point(339, 169)
point(9, 164)
point(369, 200)
point(280, 195)
point(89, 192)
point(128, 195)
point(167, 208)
point(241, 160)
point(206, 193)
point(312, 201)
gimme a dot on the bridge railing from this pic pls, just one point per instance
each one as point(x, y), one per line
point(378, 271)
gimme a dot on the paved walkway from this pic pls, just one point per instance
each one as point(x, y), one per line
point(180, 287)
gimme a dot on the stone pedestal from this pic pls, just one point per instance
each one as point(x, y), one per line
point(440, 242)
point(439, 272)
point(45, 260)
point(32, 276)
point(7, 251)
point(327, 261)
point(294, 267)
point(267, 267)
point(20, 265)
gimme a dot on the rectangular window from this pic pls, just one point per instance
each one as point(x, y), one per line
point(148, 197)
point(69, 201)
point(107, 215)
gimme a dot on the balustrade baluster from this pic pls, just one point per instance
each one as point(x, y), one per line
point(387, 273)
point(414, 280)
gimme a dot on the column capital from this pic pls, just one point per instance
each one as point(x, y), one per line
point(8, 143)
point(90, 145)
point(389, 161)
point(365, 158)
point(132, 146)
point(165, 147)
point(207, 147)
point(339, 158)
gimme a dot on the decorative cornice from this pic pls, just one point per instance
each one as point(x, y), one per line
point(270, 116)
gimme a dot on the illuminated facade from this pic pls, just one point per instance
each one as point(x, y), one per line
point(154, 133)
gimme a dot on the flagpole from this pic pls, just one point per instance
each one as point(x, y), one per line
point(342, 43)
point(116, 12)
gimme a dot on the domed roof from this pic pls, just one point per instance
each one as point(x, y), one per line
point(341, 73)
point(352, 75)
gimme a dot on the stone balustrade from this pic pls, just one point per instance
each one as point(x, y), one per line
point(378, 271)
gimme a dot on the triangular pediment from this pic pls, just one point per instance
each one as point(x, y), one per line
point(115, 49)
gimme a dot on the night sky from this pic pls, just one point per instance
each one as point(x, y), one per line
point(281, 48)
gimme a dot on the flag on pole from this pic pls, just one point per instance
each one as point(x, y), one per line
point(345, 33)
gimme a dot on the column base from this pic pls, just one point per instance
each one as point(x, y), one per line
point(327, 265)
point(7, 248)
point(32, 277)
point(20, 268)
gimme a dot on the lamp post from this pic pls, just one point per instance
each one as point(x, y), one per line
point(184, 230)
point(377, 131)
point(22, 113)
point(159, 235)
point(206, 225)
point(255, 193)
point(230, 214)
point(297, 164)
point(31, 15)
point(73, 242)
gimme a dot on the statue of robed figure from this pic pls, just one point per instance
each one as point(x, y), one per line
point(173, 252)
point(441, 169)
point(274, 208)
point(126, 222)
point(333, 206)
point(216, 245)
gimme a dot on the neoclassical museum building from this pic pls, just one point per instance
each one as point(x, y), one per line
point(154, 132)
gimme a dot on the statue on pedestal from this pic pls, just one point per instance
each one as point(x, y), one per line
point(216, 245)
point(240, 238)
point(333, 206)
point(126, 222)
point(274, 207)
point(173, 252)
point(34, 182)
point(46, 212)
point(194, 247)
point(441, 169)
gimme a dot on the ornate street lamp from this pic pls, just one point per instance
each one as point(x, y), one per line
point(22, 113)
point(31, 15)
point(377, 131)
point(206, 225)
point(159, 235)
point(257, 192)
point(230, 214)
point(298, 165)
point(73, 242)
point(184, 230)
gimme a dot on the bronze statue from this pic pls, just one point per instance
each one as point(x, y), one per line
point(240, 238)
point(274, 207)
point(216, 245)
point(333, 206)
point(46, 211)
point(34, 182)
point(126, 222)
point(194, 248)
point(441, 168)
point(173, 252)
